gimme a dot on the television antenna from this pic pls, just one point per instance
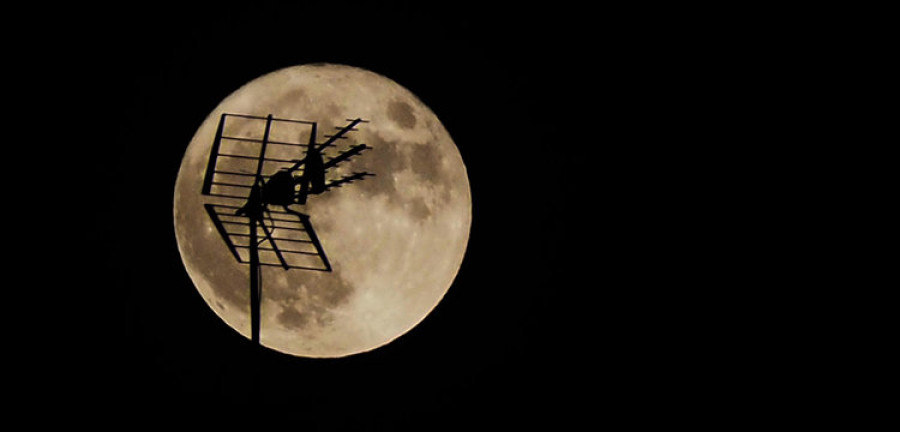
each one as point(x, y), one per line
point(254, 180)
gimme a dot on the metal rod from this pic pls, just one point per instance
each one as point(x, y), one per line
point(275, 238)
point(262, 248)
point(231, 185)
point(226, 196)
point(235, 173)
point(237, 207)
point(343, 131)
point(315, 241)
point(213, 156)
point(272, 242)
point(297, 267)
point(221, 228)
point(254, 158)
point(270, 116)
point(254, 284)
point(262, 150)
point(273, 227)
point(259, 140)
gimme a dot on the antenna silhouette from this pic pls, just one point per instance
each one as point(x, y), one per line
point(252, 184)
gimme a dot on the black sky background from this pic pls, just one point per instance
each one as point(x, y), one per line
point(634, 256)
point(555, 312)
point(499, 341)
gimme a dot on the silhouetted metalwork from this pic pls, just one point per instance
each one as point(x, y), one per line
point(255, 184)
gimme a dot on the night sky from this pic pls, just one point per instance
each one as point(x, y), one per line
point(622, 264)
point(508, 343)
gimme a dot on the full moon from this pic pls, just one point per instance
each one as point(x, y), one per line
point(395, 240)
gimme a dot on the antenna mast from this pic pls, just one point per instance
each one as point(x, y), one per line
point(240, 196)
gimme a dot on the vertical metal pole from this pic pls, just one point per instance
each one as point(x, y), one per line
point(256, 218)
point(254, 284)
point(213, 157)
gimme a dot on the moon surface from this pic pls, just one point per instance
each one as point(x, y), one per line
point(395, 240)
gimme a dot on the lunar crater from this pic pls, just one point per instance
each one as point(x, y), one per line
point(402, 114)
